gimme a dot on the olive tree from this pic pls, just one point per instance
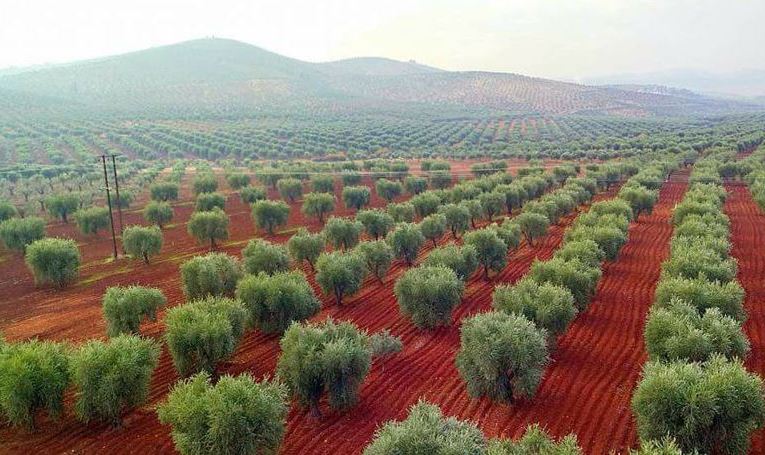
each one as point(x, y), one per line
point(548, 306)
point(263, 256)
point(270, 214)
point(428, 294)
point(17, 233)
point(533, 225)
point(426, 431)
point(440, 179)
point(204, 183)
point(462, 260)
point(304, 246)
point(425, 203)
point(577, 277)
point(235, 415)
point(158, 212)
point(640, 198)
point(290, 189)
point(703, 294)
point(492, 204)
point(202, 333)
point(274, 302)
point(340, 274)
point(378, 256)
point(501, 356)
point(678, 332)
point(491, 250)
point(7, 210)
point(356, 197)
point(142, 242)
point(214, 274)
point(406, 240)
point(62, 205)
point(457, 218)
point(342, 232)
point(388, 189)
point(92, 219)
point(33, 376)
point(112, 376)
point(415, 185)
point(323, 183)
point(710, 407)
point(209, 201)
point(52, 260)
point(509, 232)
point(318, 205)
point(610, 239)
point(433, 227)
point(328, 357)
point(402, 212)
point(124, 307)
point(252, 194)
point(237, 180)
point(208, 226)
point(377, 223)
point(586, 251)
point(164, 191)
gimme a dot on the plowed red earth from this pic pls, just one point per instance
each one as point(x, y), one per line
point(424, 369)
point(748, 237)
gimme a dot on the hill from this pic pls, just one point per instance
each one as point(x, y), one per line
point(219, 75)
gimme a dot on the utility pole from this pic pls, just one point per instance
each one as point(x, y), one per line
point(117, 189)
point(109, 202)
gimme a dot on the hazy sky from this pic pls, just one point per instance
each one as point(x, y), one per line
point(551, 38)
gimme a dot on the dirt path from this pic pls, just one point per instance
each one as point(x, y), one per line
point(748, 238)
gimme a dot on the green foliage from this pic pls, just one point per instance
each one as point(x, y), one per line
point(712, 407)
point(513, 195)
point(610, 239)
point(462, 260)
point(415, 185)
point(202, 333)
point(209, 226)
point(340, 274)
point(142, 242)
point(92, 219)
point(274, 302)
point(678, 332)
point(209, 201)
point(406, 240)
point(304, 246)
point(427, 295)
point(577, 277)
point(533, 225)
point(427, 431)
point(252, 194)
point(696, 262)
point(33, 376)
point(342, 232)
point(383, 343)
point(549, 306)
point(112, 377)
point(157, 212)
point(17, 233)
point(402, 212)
point(214, 274)
point(457, 218)
point(318, 205)
point(535, 441)
point(62, 205)
point(491, 250)
point(501, 356)
point(377, 223)
point(290, 189)
point(323, 184)
point(425, 204)
point(236, 415)
point(585, 251)
point(509, 232)
point(433, 227)
point(164, 191)
point(204, 183)
point(7, 210)
point(325, 357)
point(388, 189)
point(356, 197)
point(351, 178)
point(640, 198)
point(378, 257)
point(263, 256)
point(441, 179)
point(270, 214)
point(703, 294)
point(237, 180)
point(618, 207)
point(54, 261)
point(124, 307)
point(492, 204)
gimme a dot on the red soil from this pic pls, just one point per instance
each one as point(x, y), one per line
point(748, 237)
point(425, 367)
